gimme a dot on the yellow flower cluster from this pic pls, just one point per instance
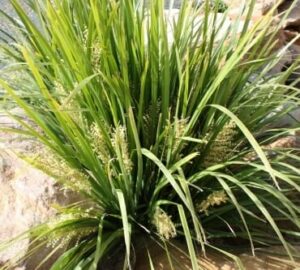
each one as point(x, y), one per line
point(119, 142)
point(222, 147)
point(96, 57)
point(59, 90)
point(164, 225)
point(95, 49)
point(215, 198)
point(119, 151)
point(63, 238)
point(99, 144)
point(70, 177)
point(180, 126)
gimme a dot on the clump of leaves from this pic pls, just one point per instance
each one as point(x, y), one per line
point(162, 127)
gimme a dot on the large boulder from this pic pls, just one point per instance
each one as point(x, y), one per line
point(26, 195)
point(292, 21)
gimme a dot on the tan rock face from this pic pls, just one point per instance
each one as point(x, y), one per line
point(292, 22)
point(290, 10)
point(291, 27)
point(261, 7)
point(26, 195)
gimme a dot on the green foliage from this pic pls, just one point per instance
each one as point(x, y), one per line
point(219, 5)
point(162, 133)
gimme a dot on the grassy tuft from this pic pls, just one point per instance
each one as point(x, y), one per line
point(163, 127)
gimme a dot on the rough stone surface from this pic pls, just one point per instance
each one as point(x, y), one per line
point(26, 194)
point(287, 33)
point(261, 7)
point(291, 27)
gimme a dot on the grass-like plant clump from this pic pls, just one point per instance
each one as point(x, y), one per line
point(162, 127)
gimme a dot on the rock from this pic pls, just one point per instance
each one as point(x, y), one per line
point(288, 32)
point(26, 196)
point(25, 201)
point(283, 62)
point(261, 8)
point(291, 30)
point(293, 9)
point(292, 22)
point(295, 50)
point(288, 120)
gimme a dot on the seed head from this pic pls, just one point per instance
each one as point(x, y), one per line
point(221, 148)
point(99, 144)
point(214, 199)
point(119, 142)
point(164, 225)
point(57, 167)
